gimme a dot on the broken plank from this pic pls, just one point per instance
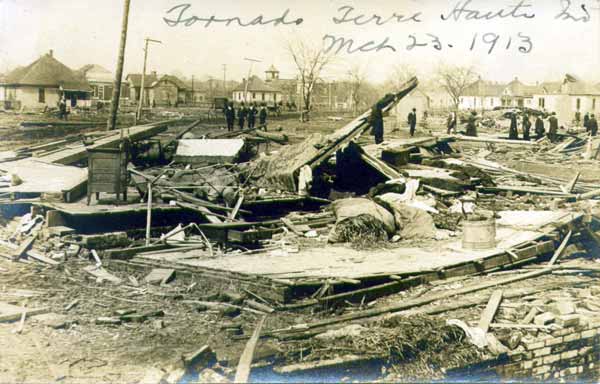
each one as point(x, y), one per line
point(39, 257)
point(160, 276)
point(490, 311)
point(23, 248)
point(212, 217)
point(559, 251)
point(243, 369)
point(291, 226)
point(9, 313)
point(102, 274)
point(324, 364)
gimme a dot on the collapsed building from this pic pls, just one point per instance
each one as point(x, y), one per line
point(429, 257)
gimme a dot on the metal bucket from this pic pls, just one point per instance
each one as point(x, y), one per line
point(479, 234)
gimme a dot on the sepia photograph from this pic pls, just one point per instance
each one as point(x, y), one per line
point(316, 191)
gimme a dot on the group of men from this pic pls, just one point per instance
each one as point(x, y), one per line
point(590, 124)
point(244, 113)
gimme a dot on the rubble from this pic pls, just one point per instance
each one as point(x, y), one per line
point(351, 251)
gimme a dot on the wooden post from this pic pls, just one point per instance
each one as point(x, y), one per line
point(114, 106)
point(149, 214)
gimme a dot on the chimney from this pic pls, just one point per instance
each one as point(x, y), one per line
point(51, 53)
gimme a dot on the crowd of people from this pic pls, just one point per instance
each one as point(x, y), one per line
point(244, 114)
point(520, 128)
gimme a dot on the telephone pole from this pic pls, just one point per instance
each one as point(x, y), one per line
point(138, 115)
point(224, 80)
point(252, 61)
point(114, 106)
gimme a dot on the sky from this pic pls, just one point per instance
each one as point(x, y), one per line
point(84, 32)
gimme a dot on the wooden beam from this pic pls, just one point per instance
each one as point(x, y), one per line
point(559, 251)
point(243, 369)
point(490, 311)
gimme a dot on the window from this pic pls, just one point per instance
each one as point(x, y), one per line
point(263, 96)
point(253, 95)
point(100, 92)
point(41, 95)
point(578, 104)
point(542, 102)
point(593, 104)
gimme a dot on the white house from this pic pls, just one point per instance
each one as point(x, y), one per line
point(42, 83)
point(256, 91)
point(482, 95)
point(566, 99)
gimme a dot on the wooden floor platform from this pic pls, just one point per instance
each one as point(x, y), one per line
point(521, 237)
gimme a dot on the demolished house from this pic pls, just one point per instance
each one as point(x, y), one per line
point(422, 258)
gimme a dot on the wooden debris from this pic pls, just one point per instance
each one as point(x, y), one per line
point(559, 251)
point(322, 364)
point(202, 357)
point(243, 369)
point(23, 248)
point(530, 315)
point(108, 321)
point(41, 258)
point(258, 306)
point(490, 311)
point(102, 274)
point(160, 276)
point(71, 305)
point(9, 312)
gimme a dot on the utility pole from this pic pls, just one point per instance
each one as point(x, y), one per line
point(224, 80)
point(114, 106)
point(252, 61)
point(138, 116)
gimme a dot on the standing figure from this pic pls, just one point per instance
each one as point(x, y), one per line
point(62, 109)
point(376, 122)
point(262, 116)
point(586, 121)
point(553, 130)
point(526, 127)
point(451, 122)
point(242, 112)
point(252, 116)
point(513, 134)
point(577, 118)
point(593, 125)
point(229, 116)
point(412, 121)
point(472, 124)
point(540, 131)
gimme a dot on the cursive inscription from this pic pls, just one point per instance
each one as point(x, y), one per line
point(464, 11)
point(349, 16)
point(565, 13)
point(183, 19)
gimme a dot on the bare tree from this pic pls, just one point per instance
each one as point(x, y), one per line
point(357, 78)
point(399, 75)
point(454, 80)
point(310, 62)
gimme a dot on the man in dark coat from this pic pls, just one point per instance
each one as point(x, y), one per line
point(252, 112)
point(526, 127)
point(593, 125)
point(472, 124)
point(229, 116)
point(376, 122)
point(262, 117)
point(586, 121)
point(539, 128)
point(513, 134)
point(242, 112)
point(412, 121)
point(553, 130)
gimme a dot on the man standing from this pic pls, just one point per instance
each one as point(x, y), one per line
point(593, 123)
point(586, 121)
point(513, 134)
point(412, 121)
point(577, 118)
point(252, 116)
point(262, 116)
point(553, 130)
point(242, 112)
point(539, 127)
point(472, 124)
point(376, 122)
point(526, 127)
point(62, 108)
point(230, 116)
point(451, 122)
